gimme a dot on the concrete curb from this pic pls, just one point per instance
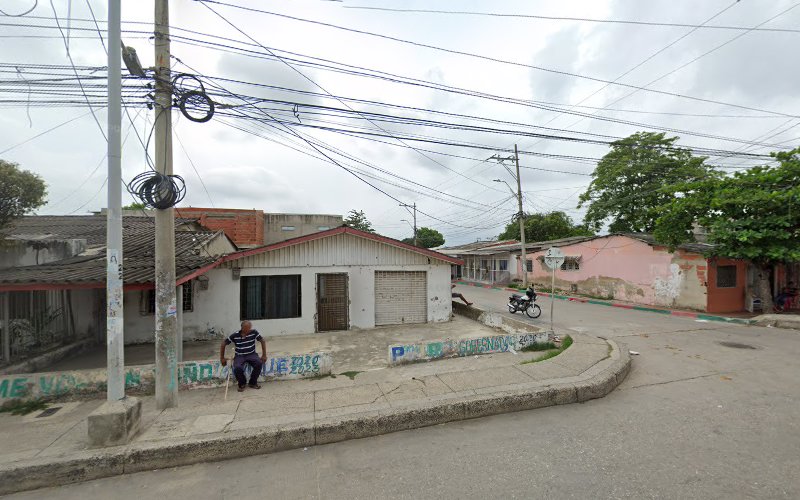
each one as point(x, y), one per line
point(597, 302)
point(595, 382)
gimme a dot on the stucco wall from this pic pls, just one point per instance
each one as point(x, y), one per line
point(303, 224)
point(216, 310)
point(18, 252)
point(622, 268)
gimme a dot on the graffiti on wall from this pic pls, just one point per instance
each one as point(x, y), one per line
point(449, 348)
point(191, 374)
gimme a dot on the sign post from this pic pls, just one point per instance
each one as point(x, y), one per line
point(554, 258)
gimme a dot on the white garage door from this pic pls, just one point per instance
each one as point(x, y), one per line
point(401, 297)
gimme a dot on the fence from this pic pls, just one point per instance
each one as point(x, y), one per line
point(34, 322)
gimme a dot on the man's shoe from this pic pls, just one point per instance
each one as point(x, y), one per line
point(241, 388)
point(254, 386)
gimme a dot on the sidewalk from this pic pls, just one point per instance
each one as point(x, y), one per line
point(301, 413)
point(738, 318)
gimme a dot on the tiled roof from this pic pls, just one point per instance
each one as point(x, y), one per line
point(91, 228)
point(90, 268)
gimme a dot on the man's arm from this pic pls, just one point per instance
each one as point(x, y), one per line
point(263, 350)
point(222, 352)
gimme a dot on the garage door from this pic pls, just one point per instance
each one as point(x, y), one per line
point(401, 297)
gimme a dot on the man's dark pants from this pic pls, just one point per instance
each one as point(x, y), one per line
point(238, 368)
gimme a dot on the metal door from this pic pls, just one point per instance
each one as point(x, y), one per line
point(401, 297)
point(332, 302)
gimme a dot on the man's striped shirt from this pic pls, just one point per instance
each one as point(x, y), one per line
point(244, 344)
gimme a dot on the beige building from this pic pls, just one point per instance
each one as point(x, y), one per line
point(281, 227)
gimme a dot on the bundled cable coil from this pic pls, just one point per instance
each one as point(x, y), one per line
point(157, 190)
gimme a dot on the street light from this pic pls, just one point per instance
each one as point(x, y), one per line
point(509, 187)
point(407, 222)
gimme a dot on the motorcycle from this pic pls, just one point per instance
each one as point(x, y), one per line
point(527, 303)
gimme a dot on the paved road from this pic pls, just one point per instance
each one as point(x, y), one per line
point(694, 419)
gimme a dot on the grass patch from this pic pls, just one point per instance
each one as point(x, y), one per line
point(551, 353)
point(23, 407)
point(351, 374)
point(537, 346)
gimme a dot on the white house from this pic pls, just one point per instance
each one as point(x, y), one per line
point(337, 279)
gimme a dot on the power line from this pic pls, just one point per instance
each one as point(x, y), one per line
point(326, 91)
point(43, 133)
point(642, 62)
point(578, 19)
point(484, 57)
point(72, 63)
point(35, 4)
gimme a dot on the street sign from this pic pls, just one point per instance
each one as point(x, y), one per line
point(554, 258)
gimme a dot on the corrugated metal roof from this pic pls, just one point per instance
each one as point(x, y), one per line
point(138, 251)
point(91, 228)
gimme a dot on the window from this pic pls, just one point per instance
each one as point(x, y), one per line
point(726, 276)
point(529, 265)
point(503, 265)
point(484, 264)
point(270, 297)
point(323, 228)
point(287, 228)
point(571, 265)
point(151, 302)
point(188, 297)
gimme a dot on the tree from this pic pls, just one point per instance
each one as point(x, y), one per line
point(357, 220)
point(627, 183)
point(21, 192)
point(544, 227)
point(427, 238)
point(754, 214)
point(135, 206)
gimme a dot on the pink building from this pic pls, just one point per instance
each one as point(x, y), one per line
point(634, 268)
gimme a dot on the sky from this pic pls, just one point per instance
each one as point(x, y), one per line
point(273, 168)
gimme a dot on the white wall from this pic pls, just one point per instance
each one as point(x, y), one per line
point(216, 310)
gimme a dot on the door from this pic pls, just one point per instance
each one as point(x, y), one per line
point(332, 302)
point(401, 297)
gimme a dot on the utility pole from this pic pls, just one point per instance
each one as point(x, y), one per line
point(115, 352)
point(414, 206)
point(521, 214)
point(166, 303)
point(521, 223)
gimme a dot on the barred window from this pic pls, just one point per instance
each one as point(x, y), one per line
point(726, 276)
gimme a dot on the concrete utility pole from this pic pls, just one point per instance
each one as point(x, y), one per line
point(414, 206)
point(521, 214)
point(521, 223)
point(166, 303)
point(115, 355)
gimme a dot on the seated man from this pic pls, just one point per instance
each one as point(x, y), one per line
point(245, 343)
point(788, 292)
point(459, 296)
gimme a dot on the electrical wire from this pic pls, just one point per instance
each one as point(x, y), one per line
point(482, 57)
point(72, 63)
point(578, 19)
point(35, 4)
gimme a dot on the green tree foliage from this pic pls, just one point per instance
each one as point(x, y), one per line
point(357, 220)
point(544, 227)
point(754, 214)
point(626, 189)
point(135, 206)
point(427, 238)
point(21, 192)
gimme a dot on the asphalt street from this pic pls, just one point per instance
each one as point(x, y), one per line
point(709, 410)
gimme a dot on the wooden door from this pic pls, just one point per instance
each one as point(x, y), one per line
point(332, 302)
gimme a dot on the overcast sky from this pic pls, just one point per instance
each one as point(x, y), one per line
point(240, 170)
